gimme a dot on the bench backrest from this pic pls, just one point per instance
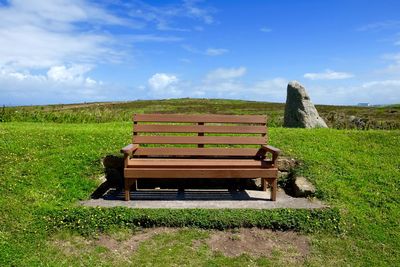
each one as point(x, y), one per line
point(201, 135)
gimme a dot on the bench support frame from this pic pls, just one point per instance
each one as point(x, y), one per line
point(267, 170)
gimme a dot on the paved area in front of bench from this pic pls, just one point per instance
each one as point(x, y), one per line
point(206, 199)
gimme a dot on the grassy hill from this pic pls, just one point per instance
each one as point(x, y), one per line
point(336, 116)
point(45, 168)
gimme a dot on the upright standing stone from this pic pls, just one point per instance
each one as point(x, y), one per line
point(300, 112)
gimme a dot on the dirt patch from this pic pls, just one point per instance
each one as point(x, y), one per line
point(131, 244)
point(72, 246)
point(77, 245)
point(260, 243)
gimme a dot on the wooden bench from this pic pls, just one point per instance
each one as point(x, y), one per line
point(199, 146)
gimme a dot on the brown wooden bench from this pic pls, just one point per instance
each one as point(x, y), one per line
point(199, 146)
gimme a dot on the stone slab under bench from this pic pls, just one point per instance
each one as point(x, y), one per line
point(206, 199)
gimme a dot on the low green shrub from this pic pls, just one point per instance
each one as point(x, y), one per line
point(87, 221)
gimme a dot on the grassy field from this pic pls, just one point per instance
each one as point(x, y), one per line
point(339, 117)
point(49, 166)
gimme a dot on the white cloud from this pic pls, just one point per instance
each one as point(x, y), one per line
point(203, 14)
point(191, 49)
point(392, 57)
point(163, 16)
point(73, 75)
point(63, 40)
point(273, 88)
point(328, 75)
point(160, 81)
point(68, 74)
point(265, 29)
point(224, 88)
point(90, 82)
point(216, 51)
point(394, 64)
point(225, 83)
point(208, 52)
point(40, 34)
point(222, 82)
point(225, 74)
point(380, 92)
point(8, 74)
point(152, 38)
point(219, 83)
point(373, 92)
point(47, 49)
point(381, 25)
point(164, 85)
point(383, 83)
point(397, 38)
point(269, 89)
point(56, 15)
point(61, 84)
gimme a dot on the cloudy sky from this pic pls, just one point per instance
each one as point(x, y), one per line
point(68, 51)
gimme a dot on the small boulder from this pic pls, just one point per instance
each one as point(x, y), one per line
point(352, 118)
point(302, 187)
point(113, 162)
point(114, 170)
point(286, 164)
point(300, 112)
point(359, 123)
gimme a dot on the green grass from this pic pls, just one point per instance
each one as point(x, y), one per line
point(89, 221)
point(48, 166)
point(386, 117)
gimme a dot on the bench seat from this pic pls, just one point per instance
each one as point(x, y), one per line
point(199, 168)
point(198, 163)
point(235, 173)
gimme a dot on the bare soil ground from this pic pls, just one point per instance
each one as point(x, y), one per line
point(232, 243)
point(260, 243)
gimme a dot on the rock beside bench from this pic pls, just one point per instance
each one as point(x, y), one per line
point(300, 112)
point(302, 187)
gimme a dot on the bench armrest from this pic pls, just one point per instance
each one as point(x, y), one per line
point(273, 150)
point(129, 149)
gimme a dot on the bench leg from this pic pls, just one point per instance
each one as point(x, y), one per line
point(263, 184)
point(273, 184)
point(274, 187)
point(127, 189)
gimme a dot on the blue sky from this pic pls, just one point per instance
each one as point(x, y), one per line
point(68, 51)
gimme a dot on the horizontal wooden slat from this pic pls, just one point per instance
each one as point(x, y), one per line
point(206, 118)
point(198, 163)
point(146, 128)
point(199, 173)
point(180, 151)
point(199, 140)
